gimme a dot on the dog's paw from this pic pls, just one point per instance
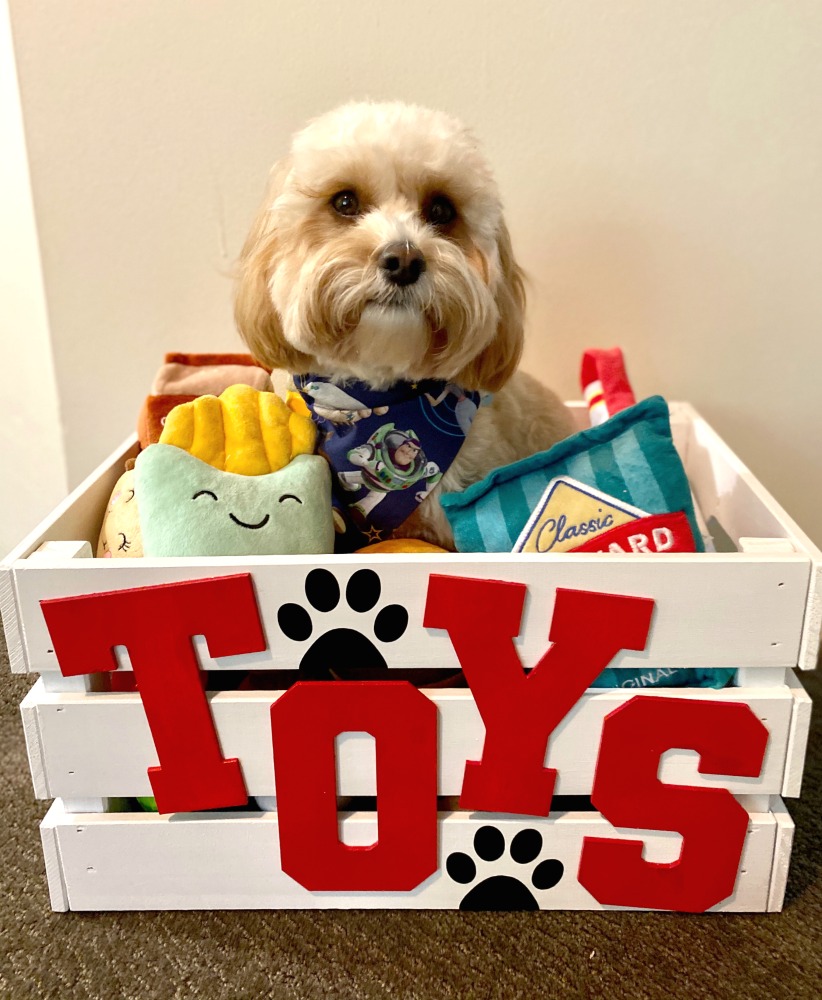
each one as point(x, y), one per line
point(342, 653)
point(504, 892)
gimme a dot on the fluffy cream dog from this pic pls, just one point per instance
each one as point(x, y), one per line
point(380, 254)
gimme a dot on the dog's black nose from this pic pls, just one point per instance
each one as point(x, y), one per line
point(402, 263)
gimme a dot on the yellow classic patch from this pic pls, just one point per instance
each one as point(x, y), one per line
point(571, 513)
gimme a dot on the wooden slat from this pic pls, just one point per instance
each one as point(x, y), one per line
point(100, 744)
point(798, 739)
point(761, 677)
point(231, 861)
point(49, 553)
point(60, 552)
point(30, 713)
point(712, 610)
point(58, 894)
point(783, 844)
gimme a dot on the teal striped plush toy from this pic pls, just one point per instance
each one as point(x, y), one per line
point(631, 457)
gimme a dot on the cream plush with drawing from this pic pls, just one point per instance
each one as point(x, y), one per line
point(121, 536)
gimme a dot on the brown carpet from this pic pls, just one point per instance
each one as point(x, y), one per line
point(394, 954)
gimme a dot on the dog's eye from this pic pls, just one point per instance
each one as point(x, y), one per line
point(346, 203)
point(440, 211)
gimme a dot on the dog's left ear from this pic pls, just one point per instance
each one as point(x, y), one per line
point(492, 368)
point(254, 313)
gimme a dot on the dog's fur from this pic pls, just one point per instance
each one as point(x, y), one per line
point(312, 297)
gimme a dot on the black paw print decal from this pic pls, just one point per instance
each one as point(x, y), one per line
point(503, 892)
point(343, 653)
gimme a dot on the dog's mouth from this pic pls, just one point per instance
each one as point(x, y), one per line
point(392, 304)
point(393, 297)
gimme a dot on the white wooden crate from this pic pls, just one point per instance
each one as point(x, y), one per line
point(757, 609)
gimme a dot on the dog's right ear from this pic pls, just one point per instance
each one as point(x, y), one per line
point(254, 313)
point(492, 368)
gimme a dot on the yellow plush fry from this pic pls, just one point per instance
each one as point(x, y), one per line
point(243, 430)
point(302, 427)
point(278, 439)
point(245, 427)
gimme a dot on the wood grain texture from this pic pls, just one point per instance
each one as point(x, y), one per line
point(231, 861)
point(712, 610)
point(100, 744)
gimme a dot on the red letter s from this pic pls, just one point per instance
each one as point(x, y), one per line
point(730, 740)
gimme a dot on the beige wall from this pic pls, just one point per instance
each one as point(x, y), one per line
point(32, 463)
point(660, 162)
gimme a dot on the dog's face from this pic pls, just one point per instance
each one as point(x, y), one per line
point(381, 253)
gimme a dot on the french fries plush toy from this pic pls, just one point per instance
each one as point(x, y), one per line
point(235, 475)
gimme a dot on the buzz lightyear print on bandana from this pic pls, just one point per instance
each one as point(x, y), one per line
point(387, 449)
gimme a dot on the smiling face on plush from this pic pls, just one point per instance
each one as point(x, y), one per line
point(380, 253)
point(189, 508)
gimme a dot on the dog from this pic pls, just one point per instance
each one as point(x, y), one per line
point(380, 257)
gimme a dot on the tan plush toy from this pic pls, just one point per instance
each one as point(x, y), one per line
point(120, 536)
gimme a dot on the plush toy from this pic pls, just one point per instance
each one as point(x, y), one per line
point(152, 416)
point(605, 384)
point(190, 508)
point(235, 475)
point(393, 546)
point(184, 377)
point(120, 535)
point(630, 458)
point(716, 677)
point(242, 430)
point(208, 374)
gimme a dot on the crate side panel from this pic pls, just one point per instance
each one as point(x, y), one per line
point(100, 744)
point(727, 490)
point(783, 846)
point(798, 739)
point(11, 621)
point(711, 610)
point(80, 515)
point(58, 893)
point(232, 861)
point(812, 628)
point(30, 714)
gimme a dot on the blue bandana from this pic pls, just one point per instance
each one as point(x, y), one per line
point(387, 449)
